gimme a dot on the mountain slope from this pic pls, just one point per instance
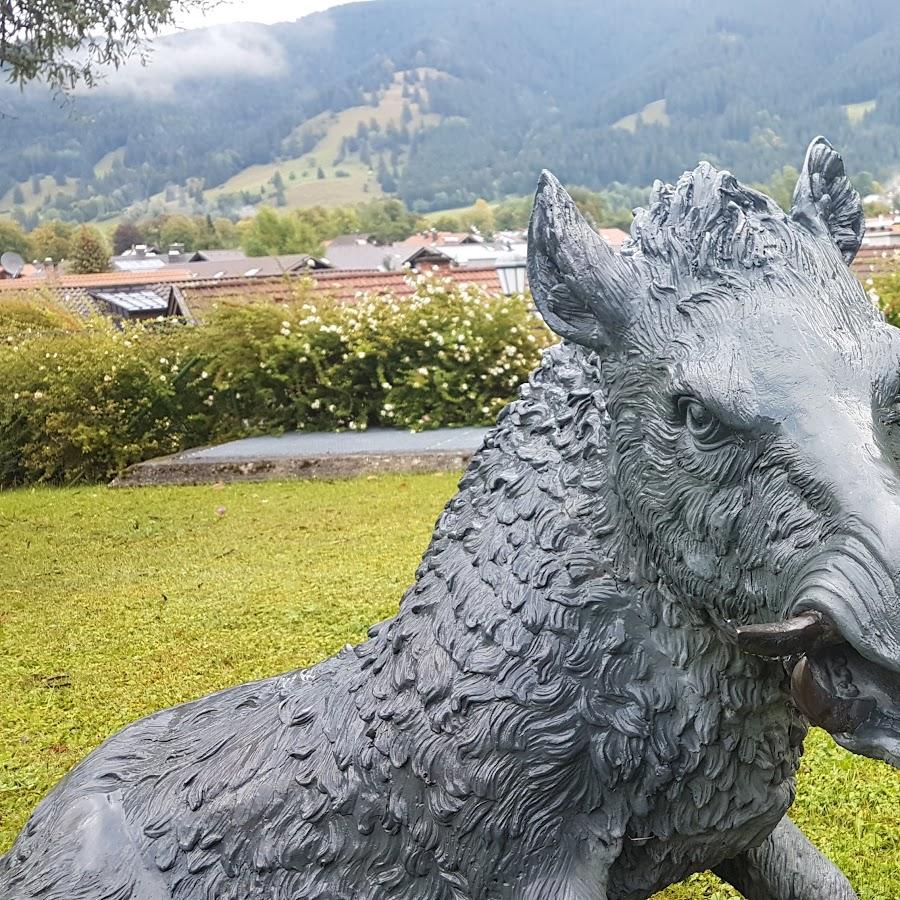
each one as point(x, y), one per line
point(467, 99)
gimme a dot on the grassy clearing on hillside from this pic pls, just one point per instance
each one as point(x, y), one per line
point(31, 200)
point(856, 112)
point(653, 113)
point(454, 212)
point(306, 188)
point(117, 603)
point(105, 164)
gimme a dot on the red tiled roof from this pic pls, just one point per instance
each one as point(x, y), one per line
point(342, 286)
point(99, 281)
point(615, 237)
point(346, 285)
point(875, 261)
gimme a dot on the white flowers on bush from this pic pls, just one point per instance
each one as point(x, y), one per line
point(444, 355)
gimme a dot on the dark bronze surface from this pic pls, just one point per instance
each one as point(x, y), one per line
point(562, 708)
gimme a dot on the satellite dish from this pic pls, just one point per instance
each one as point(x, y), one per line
point(13, 263)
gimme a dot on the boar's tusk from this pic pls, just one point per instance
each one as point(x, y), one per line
point(794, 636)
point(837, 715)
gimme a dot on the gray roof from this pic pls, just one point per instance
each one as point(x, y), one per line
point(360, 254)
point(251, 266)
point(151, 259)
point(217, 255)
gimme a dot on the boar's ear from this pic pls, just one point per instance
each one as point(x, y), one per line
point(581, 286)
point(826, 203)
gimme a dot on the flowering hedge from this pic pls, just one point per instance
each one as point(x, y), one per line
point(83, 402)
point(885, 291)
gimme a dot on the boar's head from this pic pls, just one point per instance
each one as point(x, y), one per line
point(753, 392)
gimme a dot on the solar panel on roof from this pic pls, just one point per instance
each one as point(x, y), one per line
point(139, 265)
point(133, 301)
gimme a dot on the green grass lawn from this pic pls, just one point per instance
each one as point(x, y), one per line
point(117, 603)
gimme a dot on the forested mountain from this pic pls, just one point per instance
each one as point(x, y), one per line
point(468, 99)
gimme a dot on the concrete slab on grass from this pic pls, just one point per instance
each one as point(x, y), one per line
point(312, 455)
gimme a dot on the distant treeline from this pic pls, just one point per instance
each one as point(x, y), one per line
point(278, 232)
point(86, 248)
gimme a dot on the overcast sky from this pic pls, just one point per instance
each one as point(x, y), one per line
point(249, 50)
point(256, 11)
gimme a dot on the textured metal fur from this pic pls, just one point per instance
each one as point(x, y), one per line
point(560, 709)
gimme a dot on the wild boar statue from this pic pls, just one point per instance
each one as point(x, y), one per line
point(679, 545)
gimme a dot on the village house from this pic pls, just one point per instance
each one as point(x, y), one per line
point(147, 283)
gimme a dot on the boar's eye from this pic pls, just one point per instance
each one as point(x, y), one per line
point(703, 426)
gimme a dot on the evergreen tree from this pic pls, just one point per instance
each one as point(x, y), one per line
point(382, 174)
point(88, 252)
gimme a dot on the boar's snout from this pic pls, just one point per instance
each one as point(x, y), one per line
point(842, 638)
point(852, 588)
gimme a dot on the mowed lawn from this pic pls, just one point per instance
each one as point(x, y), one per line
point(117, 603)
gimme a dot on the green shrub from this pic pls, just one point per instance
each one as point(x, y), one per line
point(885, 291)
point(445, 356)
point(22, 317)
point(84, 404)
point(81, 405)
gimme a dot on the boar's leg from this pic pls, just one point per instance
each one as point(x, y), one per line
point(786, 867)
point(576, 873)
